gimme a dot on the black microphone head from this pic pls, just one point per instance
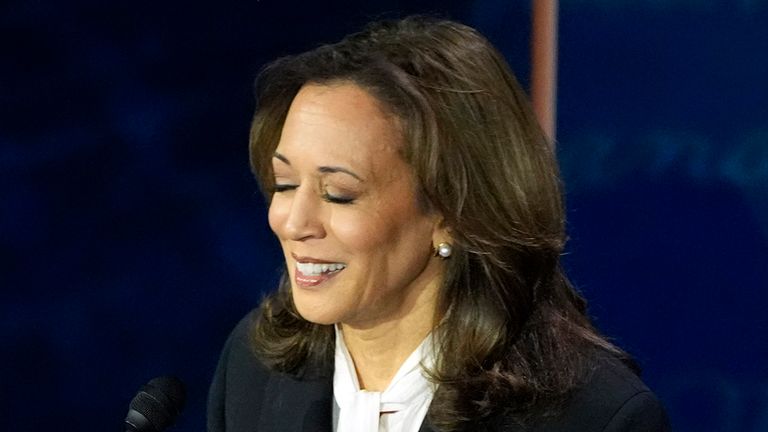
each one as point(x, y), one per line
point(156, 406)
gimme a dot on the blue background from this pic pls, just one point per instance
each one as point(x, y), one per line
point(133, 237)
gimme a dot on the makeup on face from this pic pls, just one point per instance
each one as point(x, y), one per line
point(357, 243)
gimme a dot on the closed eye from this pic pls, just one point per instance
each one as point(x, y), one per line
point(338, 199)
point(278, 188)
point(283, 188)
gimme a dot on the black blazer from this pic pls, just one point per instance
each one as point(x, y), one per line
point(247, 397)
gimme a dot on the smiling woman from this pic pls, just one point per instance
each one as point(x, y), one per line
point(418, 207)
point(342, 192)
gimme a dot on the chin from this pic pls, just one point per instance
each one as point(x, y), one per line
point(318, 318)
point(315, 313)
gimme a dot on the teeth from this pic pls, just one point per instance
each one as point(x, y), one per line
point(311, 269)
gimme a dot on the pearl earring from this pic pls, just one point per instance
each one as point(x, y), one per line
point(444, 250)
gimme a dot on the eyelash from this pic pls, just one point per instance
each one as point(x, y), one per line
point(338, 200)
point(282, 188)
point(326, 196)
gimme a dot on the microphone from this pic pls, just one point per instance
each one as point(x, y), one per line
point(156, 406)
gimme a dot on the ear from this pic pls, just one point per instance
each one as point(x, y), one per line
point(441, 233)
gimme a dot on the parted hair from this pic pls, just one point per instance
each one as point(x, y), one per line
point(513, 335)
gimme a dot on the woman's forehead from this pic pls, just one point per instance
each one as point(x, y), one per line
point(339, 123)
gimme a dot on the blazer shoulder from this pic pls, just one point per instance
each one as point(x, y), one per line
point(238, 354)
point(246, 395)
point(613, 398)
point(239, 380)
point(641, 413)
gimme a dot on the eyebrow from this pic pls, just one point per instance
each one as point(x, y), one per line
point(323, 169)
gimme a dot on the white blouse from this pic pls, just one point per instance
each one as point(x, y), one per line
point(405, 401)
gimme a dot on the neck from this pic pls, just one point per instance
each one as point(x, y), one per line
point(378, 351)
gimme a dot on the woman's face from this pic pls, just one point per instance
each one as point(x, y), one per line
point(357, 244)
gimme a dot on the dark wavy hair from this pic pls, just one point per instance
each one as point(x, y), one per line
point(513, 335)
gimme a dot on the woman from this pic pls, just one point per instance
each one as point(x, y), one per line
point(418, 206)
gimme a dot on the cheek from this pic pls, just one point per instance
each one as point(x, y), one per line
point(359, 232)
point(388, 233)
point(276, 215)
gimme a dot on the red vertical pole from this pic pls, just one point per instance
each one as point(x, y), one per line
point(544, 64)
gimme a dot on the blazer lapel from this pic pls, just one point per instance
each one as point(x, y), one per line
point(426, 426)
point(292, 404)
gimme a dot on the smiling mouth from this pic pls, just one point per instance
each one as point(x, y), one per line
point(313, 274)
point(316, 269)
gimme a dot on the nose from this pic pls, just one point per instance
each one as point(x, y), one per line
point(303, 219)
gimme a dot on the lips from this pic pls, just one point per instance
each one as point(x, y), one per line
point(310, 272)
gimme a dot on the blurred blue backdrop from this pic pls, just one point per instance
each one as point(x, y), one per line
point(133, 237)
